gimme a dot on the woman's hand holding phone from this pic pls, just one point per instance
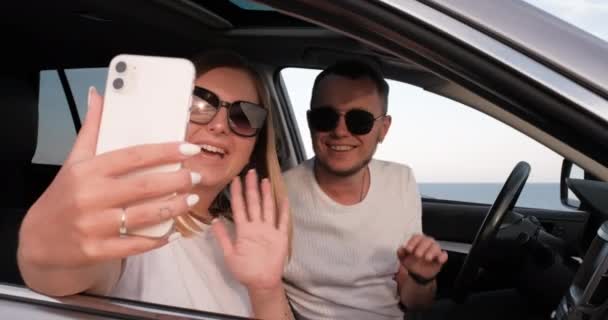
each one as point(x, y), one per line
point(77, 221)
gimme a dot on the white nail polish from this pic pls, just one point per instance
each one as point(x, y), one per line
point(195, 177)
point(174, 236)
point(91, 88)
point(192, 200)
point(189, 149)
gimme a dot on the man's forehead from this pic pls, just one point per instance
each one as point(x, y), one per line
point(338, 90)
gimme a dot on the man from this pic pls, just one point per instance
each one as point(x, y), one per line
point(358, 250)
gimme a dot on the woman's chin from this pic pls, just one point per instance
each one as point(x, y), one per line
point(213, 173)
point(213, 177)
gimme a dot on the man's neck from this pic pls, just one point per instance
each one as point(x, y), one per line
point(345, 190)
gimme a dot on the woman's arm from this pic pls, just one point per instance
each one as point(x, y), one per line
point(98, 278)
point(270, 304)
point(69, 240)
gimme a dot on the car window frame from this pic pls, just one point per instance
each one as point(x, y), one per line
point(107, 306)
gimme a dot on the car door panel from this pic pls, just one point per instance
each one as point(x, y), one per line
point(458, 222)
point(455, 224)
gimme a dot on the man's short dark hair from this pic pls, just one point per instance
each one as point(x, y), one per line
point(355, 69)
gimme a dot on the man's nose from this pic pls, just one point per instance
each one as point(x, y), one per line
point(341, 129)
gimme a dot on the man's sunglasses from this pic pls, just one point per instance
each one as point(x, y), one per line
point(358, 122)
point(245, 119)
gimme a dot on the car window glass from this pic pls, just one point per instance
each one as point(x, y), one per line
point(56, 132)
point(456, 152)
point(80, 80)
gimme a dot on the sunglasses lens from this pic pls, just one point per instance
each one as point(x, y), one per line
point(247, 118)
point(359, 122)
point(201, 111)
point(323, 119)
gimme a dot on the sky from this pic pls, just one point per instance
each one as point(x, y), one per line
point(442, 140)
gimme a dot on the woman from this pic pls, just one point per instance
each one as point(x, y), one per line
point(203, 269)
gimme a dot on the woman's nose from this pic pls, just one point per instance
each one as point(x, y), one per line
point(219, 123)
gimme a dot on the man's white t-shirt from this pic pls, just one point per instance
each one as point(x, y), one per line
point(188, 273)
point(345, 257)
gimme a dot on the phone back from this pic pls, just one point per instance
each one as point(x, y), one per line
point(146, 100)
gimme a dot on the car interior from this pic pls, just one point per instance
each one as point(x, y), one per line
point(514, 258)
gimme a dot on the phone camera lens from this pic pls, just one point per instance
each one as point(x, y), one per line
point(121, 66)
point(118, 83)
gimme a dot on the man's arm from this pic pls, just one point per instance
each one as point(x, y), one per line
point(415, 295)
point(420, 260)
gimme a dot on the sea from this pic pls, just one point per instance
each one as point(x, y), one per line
point(534, 195)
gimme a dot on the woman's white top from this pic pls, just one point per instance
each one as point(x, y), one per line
point(188, 273)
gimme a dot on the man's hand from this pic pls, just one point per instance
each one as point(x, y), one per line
point(422, 255)
point(420, 260)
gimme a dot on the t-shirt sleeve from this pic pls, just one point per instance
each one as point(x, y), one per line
point(413, 203)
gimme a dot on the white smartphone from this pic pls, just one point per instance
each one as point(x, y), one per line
point(147, 100)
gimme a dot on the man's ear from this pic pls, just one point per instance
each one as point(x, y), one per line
point(308, 120)
point(386, 124)
point(310, 130)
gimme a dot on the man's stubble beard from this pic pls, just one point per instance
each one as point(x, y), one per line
point(348, 172)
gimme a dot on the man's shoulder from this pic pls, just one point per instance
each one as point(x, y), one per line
point(298, 172)
point(392, 171)
point(390, 166)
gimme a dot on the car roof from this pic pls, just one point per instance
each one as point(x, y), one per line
point(75, 34)
point(62, 32)
point(549, 39)
point(59, 33)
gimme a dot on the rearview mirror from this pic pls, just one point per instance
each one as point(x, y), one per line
point(569, 171)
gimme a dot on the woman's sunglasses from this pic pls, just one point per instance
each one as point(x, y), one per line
point(358, 122)
point(245, 119)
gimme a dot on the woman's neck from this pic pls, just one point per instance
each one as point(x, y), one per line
point(200, 211)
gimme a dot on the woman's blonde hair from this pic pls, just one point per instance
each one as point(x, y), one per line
point(264, 156)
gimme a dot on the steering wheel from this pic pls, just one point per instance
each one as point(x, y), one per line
point(505, 201)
